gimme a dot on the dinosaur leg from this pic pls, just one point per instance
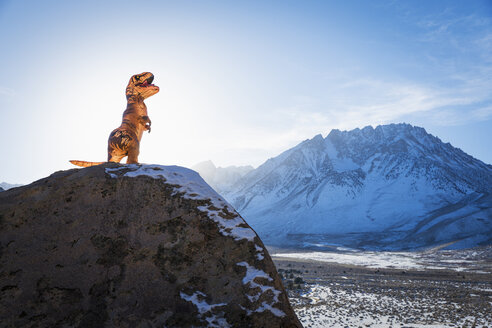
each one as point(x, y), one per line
point(119, 143)
point(133, 153)
point(115, 154)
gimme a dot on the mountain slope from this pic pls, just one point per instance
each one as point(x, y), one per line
point(364, 183)
point(221, 178)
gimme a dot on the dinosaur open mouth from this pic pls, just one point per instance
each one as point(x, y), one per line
point(147, 82)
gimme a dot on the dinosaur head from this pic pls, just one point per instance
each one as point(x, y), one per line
point(140, 85)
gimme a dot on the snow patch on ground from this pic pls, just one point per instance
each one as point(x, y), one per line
point(396, 260)
point(333, 306)
point(389, 260)
point(191, 184)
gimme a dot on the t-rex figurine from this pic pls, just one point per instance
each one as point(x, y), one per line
point(125, 140)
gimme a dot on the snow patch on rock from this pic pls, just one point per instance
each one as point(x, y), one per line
point(249, 279)
point(260, 255)
point(192, 185)
point(205, 309)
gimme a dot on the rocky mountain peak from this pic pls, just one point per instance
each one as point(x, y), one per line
point(133, 245)
point(366, 180)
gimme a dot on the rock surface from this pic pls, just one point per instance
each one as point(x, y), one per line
point(132, 246)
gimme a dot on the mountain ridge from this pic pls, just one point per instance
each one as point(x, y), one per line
point(362, 181)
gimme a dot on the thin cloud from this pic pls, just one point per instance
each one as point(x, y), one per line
point(483, 113)
point(371, 102)
point(7, 92)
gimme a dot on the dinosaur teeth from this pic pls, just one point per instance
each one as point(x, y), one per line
point(145, 84)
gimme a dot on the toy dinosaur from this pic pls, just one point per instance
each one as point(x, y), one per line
point(125, 140)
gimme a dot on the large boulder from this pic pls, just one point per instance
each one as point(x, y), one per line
point(132, 246)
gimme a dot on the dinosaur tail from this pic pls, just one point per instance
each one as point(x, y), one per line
point(85, 164)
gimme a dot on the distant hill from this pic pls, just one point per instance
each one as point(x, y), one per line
point(392, 187)
point(221, 178)
point(7, 186)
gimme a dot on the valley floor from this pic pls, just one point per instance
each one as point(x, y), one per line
point(329, 294)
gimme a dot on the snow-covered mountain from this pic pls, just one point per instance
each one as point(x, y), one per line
point(7, 186)
point(221, 178)
point(392, 187)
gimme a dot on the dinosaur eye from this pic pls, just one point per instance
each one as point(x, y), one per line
point(137, 77)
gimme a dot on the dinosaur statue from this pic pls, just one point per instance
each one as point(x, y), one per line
point(125, 140)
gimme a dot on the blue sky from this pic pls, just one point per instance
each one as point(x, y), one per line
point(240, 81)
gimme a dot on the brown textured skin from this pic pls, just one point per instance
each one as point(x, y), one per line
point(125, 140)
